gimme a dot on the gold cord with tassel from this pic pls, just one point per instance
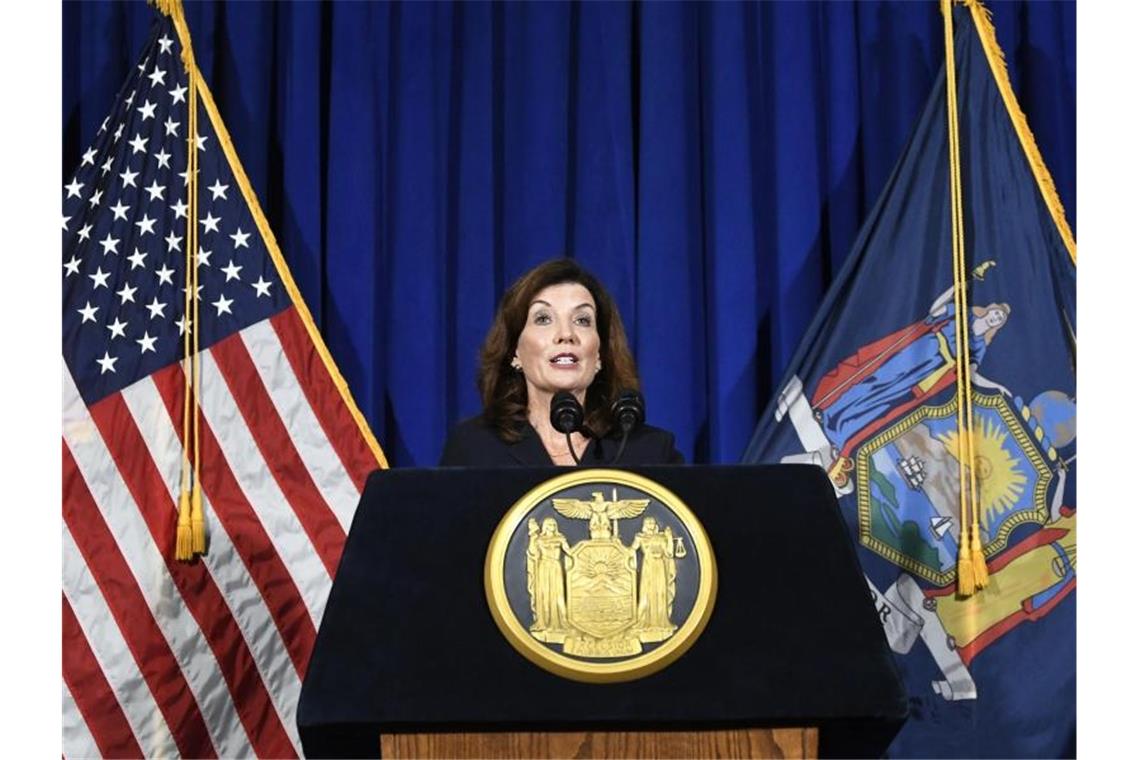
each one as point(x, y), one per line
point(197, 519)
point(972, 571)
point(191, 534)
point(184, 543)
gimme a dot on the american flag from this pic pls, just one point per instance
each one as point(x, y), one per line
point(201, 658)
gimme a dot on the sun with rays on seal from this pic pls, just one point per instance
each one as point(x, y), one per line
point(1000, 479)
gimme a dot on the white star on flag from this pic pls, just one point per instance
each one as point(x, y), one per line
point(262, 287)
point(155, 190)
point(231, 271)
point(72, 266)
point(178, 95)
point(145, 225)
point(136, 259)
point(157, 77)
point(222, 305)
point(138, 145)
point(147, 110)
point(110, 245)
point(240, 238)
point(107, 363)
point(88, 312)
point(147, 342)
point(172, 242)
point(218, 190)
point(210, 223)
point(119, 210)
point(118, 329)
point(127, 293)
point(99, 278)
point(165, 275)
point(156, 308)
point(74, 188)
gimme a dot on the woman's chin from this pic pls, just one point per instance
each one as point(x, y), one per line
point(572, 384)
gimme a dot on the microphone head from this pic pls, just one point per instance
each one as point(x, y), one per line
point(566, 414)
point(629, 409)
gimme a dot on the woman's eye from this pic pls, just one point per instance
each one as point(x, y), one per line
point(583, 321)
point(542, 319)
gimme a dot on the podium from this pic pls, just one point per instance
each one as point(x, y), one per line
point(793, 660)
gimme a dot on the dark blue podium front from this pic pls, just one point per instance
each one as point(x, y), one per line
point(408, 644)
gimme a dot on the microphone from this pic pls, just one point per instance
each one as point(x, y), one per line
point(629, 410)
point(566, 416)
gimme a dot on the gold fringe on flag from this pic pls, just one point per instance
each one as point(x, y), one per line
point(984, 24)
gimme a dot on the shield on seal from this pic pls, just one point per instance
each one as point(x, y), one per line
point(907, 485)
point(601, 582)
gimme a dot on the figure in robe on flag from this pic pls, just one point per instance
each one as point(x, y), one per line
point(895, 374)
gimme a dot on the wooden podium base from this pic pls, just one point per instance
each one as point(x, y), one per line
point(742, 743)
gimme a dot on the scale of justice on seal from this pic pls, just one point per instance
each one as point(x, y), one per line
point(600, 575)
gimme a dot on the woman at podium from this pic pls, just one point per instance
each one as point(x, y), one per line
point(556, 329)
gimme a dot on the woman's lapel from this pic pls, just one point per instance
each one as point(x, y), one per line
point(529, 450)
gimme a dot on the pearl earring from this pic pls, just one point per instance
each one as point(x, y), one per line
point(516, 365)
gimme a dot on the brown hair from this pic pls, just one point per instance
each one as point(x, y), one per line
point(504, 389)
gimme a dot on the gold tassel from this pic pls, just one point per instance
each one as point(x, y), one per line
point(966, 578)
point(183, 544)
point(197, 520)
point(978, 561)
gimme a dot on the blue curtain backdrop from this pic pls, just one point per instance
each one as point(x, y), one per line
point(711, 162)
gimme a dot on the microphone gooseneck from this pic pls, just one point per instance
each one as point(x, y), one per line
point(629, 410)
point(566, 416)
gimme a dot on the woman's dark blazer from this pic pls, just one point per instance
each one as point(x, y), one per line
point(473, 444)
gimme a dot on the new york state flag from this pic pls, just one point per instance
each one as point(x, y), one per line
point(871, 396)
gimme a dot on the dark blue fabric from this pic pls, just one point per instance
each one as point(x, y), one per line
point(993, 676)
point(711, 162)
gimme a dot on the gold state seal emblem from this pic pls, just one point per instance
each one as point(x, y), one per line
point(574, 597)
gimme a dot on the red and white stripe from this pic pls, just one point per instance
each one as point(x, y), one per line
point(206, 658)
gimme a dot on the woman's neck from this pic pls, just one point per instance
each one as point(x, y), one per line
point(538, 414)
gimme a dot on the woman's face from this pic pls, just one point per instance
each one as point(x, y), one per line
point(995, 317)
point(559, 348)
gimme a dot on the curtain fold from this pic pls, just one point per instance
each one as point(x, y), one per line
point(711, 162)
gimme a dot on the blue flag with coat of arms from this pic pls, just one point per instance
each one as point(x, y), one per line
point(870, 396)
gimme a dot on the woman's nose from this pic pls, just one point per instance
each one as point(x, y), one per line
point(566, 334)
